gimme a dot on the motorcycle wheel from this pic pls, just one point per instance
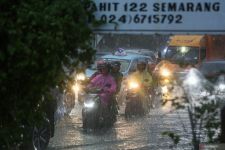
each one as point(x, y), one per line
point(90, 121)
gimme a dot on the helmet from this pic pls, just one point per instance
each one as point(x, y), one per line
point(115, 64)
point(141, 64)
point(101, 64)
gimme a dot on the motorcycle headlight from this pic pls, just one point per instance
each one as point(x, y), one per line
point(80, 76)
point(133, 85)
point(164, 90)
point(89, 104)
point(76, 87)
point(165, 72)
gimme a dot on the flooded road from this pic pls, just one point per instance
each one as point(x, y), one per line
point(135, 133)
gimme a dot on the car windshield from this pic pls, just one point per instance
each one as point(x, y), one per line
point(124, 64)
point(144, 52)
point(212, 68)
point(182, 54)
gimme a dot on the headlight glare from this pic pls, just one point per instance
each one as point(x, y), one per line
point(165, 72)
point(81, 76)
point(89, 104)
point(133, 85)
point(75, 87)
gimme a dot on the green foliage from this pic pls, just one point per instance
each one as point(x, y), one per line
point(37, 38)
point(203, 112)
point(174, 137)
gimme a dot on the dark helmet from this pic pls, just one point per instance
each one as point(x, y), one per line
point(101, 64)
point(115, 64)
point(151, 66)
point(141, 64)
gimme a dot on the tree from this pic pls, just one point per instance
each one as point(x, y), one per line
point(37, 38)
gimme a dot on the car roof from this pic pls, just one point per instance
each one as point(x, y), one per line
point(138, 50)
point(141, 51)
point(103, 52)
point(128, 56)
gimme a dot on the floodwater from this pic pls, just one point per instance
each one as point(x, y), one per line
point(135, 133)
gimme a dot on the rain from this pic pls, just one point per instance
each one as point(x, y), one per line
point(112, 75)
point(141, 132)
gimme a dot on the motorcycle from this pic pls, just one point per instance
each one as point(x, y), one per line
point(134, 101)
point(94, 115)
point(166, 81)
point(80, 84)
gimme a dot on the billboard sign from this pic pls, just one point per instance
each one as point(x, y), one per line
point(160, 16)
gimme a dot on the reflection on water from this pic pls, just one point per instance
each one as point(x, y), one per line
point(135, 133)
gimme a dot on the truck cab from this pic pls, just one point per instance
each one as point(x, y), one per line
point(186, 49)
point(193, 49)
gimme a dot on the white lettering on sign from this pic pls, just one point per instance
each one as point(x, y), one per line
point(154, 16)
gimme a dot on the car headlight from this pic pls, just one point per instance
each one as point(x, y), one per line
point(89, 104)
point(80, 76)
point(165, 72)
point(133, 85)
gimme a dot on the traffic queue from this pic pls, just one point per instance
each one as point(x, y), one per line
point(102, 90)
point(131, 79)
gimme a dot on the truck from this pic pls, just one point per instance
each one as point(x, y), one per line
point(193, 49)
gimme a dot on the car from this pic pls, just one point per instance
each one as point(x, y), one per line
point(128, 61)
point(213, 70)
point(128, 65)
point(99, 54)
point(145, 52)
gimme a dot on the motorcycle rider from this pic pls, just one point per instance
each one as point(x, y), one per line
point(118, 77)
point(106, 83)
point(99, 64)
point(142, 76)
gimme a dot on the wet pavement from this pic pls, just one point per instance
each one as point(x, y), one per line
point(135, 133)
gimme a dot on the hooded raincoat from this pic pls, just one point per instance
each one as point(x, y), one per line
point(107, 85)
